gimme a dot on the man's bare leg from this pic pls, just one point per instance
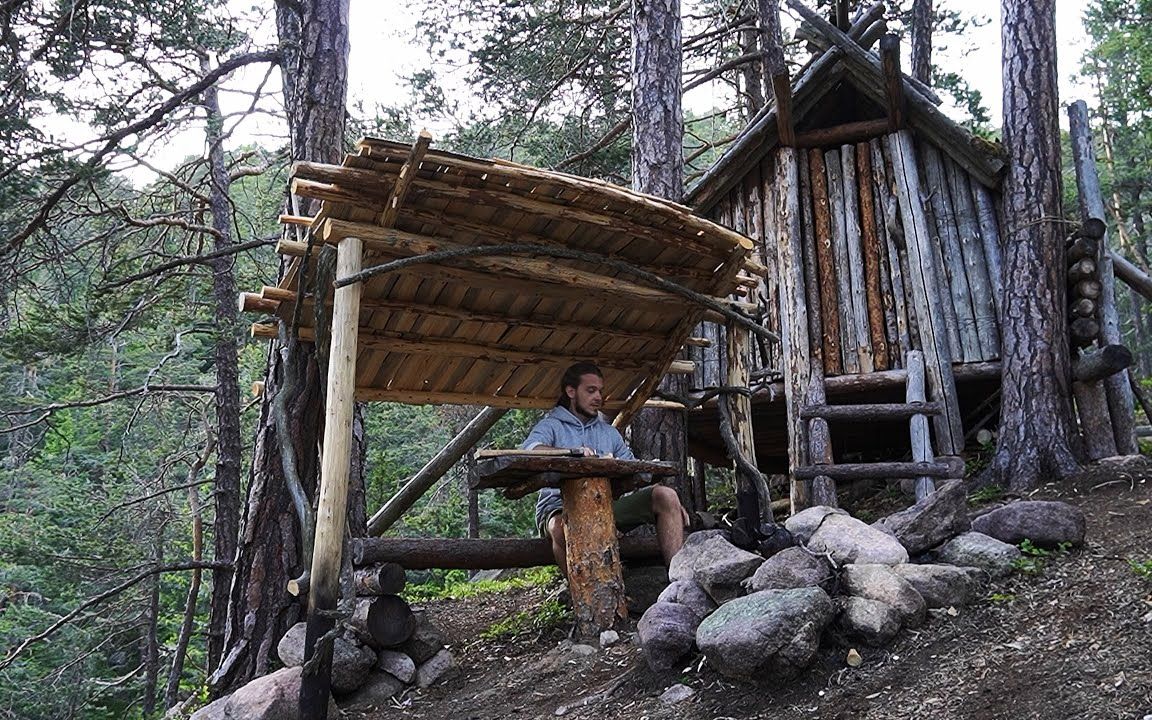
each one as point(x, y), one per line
point(670, 521)
point(555, 527)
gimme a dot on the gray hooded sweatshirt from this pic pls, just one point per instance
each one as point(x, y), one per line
point(562, 429)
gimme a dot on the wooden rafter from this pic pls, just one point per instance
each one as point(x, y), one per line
point(404, 180)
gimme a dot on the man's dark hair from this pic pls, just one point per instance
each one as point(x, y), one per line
point(572, 377)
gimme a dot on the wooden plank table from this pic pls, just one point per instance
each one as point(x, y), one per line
point(592, 551)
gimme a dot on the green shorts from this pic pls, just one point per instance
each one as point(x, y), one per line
point(630, 511)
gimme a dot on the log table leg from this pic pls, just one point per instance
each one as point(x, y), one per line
point(595, 579)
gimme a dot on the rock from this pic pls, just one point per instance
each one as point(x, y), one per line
point(851, 541)
point(776, 538)
point(396, 664)
point(973, 549)
point(882, 584)
point(718, 565)
point(689, 592)
point(667, 632)
point(768, 634)
point(1046, 523)
point(942, 586)
point(434, 669)
point(790, 568)
point(425, 642)
point(872, 621)
point(375, 692)
point(291, 646)
point(608, 638)
point(938, 517)
point(350, 660)
point(804, 523)
point(582, 650)
point(854, 659)
point(643, 585)
point(677, 693)
point(351, 663)
point(275, 696)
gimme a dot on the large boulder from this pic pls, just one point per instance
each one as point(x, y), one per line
point(938, 517)
point(974, 549)
point(943, 586)
point(831, 530)
point(872, 621)
point(882, 584)
point(275, 696)
point(791, 568)
point(766, 635)
point(667, 633)
point(1046, 523)
point(689, 593)
point(718, 565)
point(805, 523)
point(351, 661)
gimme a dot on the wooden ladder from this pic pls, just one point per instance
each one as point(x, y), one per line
point(823, 473)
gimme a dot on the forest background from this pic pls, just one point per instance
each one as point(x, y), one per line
point(115, 332)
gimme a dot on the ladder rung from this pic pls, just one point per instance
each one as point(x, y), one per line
point(872, 413)
point(951, 467)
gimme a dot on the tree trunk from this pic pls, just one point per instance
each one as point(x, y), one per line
point(314, 40)
point(753, 75)
point(657, 169)
point(227, 480)
point(151, 644)
point(1035, 418)
point(922, 40)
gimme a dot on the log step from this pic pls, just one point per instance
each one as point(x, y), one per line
point(952, 467)
point(875, 412)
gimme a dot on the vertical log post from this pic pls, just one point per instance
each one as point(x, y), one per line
point(772, 47)
point(926, 293)
point(740, 414)
point(1117, 388)
point(893, 81)
point(918, 424)
point(793, 315)
point(593, 554)
point(825, 260)
point(331, 512)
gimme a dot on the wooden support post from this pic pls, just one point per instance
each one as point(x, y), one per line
point(918, 424)
point(740, 414)
point(594, 575)
point(926, 293)
point(331, 512)
point(1117, 388)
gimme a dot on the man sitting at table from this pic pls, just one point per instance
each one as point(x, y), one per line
point(576, 422)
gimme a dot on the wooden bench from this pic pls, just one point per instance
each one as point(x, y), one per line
point(586, 491)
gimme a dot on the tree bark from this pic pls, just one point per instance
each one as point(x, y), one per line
point(227, 397)
point(1035, 419)
point(658, 169)
point(314, 40)
point(922, 40)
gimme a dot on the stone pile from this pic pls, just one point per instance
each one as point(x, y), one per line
point(364, 677)
point(757, 617)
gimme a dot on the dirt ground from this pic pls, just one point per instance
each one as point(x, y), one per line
point(1073, 639)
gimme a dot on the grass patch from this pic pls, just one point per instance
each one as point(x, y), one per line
point(1142, 568)
point(460, 588)
point(1033, 559)
point(988, 493)
point(549, 615)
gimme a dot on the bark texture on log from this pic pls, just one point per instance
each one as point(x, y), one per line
point(482, 554)
point(593, 556)
point(922, 40)
point(1036, 432)
point(657, 169)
